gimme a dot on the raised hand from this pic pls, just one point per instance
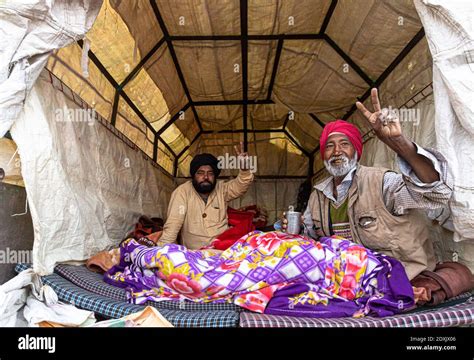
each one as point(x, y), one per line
point(242, 156)
point(386, 125)
point(385, 122)
point(239, 150)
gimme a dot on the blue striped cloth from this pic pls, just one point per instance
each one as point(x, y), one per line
point(458, 311)
point(114, 308)
point(93, 282)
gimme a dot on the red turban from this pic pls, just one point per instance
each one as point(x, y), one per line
point(343, 127)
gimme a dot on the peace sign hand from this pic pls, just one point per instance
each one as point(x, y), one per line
point(385, 122)
point(242, 157)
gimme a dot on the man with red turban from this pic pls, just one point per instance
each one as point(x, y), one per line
point(373, 206)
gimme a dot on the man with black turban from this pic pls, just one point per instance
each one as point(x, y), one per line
point(198, 208)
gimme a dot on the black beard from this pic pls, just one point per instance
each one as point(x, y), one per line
point(204, 187)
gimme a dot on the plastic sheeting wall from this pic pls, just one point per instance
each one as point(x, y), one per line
point(450, 35)
point(85, 186)
point(272, 154)
point(31, 30)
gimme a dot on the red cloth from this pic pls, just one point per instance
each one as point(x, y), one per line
point(241, 223)
point(259, 217)
point(351, 131)
point(145, 226)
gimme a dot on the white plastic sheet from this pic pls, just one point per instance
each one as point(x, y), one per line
point(29, 32)
point(39, 303)
point(448, 28)
point(85, 186)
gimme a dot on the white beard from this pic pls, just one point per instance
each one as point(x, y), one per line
point(342, 169)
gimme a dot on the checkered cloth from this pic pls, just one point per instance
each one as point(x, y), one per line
point(458, 311)
point(93, 282)
point(111, 308)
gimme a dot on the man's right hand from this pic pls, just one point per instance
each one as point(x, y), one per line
point(284, 221)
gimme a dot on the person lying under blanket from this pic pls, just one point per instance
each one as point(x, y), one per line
point(376, 207)
point(274, 273)
point(268, 272)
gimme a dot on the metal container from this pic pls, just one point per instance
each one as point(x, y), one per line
point(293, 226)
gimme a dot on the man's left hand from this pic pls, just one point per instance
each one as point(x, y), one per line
point(384, 122)
point(386, 125)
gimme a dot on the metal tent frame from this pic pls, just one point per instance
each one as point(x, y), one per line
point(244, 38)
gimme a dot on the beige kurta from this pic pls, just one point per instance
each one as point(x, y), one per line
point(198, 221)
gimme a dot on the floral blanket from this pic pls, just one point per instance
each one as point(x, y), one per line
point(293, 271)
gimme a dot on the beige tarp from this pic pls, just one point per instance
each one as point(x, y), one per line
point(10, 162)
point(312, 77)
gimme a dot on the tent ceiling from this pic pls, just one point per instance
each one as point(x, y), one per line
point(188, 72)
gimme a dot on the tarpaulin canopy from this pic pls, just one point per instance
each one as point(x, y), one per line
point(177, 77)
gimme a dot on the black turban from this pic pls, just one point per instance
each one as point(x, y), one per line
point(204, 159)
